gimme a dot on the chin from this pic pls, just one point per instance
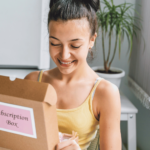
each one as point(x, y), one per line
point(66, 71)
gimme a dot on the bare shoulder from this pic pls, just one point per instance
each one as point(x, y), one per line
point(32, 75)
point(47, 74)
point(107, 97)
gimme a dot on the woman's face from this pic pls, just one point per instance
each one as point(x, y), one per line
point(69, 43)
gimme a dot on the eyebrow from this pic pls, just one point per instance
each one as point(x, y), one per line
point(59, 40)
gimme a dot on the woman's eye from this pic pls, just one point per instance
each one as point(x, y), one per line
point(60, 44)
point(74, 46)
point(55, 44)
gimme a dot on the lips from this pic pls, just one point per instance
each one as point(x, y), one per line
point(66, 62)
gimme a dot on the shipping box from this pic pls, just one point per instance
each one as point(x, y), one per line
point(28, 118)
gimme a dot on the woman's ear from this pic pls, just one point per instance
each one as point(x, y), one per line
point(92, 40)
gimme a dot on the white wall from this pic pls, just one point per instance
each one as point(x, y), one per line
point(19, 37)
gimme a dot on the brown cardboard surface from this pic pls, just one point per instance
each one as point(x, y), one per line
point(3, 148)
point(28, 89)
point(39, 96)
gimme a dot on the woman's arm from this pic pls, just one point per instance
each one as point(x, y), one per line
point(109, 116)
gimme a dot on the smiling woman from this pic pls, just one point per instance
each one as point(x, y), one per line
point(85, 101)
point(69, 43)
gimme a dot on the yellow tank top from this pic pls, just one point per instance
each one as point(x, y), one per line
point(80, 119)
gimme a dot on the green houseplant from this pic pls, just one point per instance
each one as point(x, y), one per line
point(115, 21)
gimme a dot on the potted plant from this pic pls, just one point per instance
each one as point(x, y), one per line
point(118, 21)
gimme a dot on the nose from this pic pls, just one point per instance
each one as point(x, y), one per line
point(65, 53)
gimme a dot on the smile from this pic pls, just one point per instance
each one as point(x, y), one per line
point(65, 62)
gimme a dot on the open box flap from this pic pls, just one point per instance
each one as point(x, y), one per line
point(28, 89)
point(50, 95)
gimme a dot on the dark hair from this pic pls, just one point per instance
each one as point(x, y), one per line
point(74, 9)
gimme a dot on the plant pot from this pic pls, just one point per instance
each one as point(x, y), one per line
point(113, 78)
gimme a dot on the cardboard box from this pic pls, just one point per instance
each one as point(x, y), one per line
point(28, 118)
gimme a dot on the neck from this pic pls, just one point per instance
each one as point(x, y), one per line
point(78, 75)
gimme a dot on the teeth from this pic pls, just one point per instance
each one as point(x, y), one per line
point(65, 63)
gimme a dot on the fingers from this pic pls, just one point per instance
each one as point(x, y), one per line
point(68, 135)
point(75, 138)
point(64, 136)
point(64, 144)
point(70, 141)
point(68, 145)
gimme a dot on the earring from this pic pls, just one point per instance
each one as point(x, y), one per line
point(90, 49)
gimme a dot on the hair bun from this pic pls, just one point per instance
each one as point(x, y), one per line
point(93, 3)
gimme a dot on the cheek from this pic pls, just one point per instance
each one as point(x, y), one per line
point(80, 56)
point(53, 52)
point(83, 53)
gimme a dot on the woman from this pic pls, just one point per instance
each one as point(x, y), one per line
point(85, 101)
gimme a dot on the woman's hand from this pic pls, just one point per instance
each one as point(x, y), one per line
point(70, 143)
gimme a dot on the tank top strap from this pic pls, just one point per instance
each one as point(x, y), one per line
point(40, 76)
point(95, 85)
point(92, 92)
